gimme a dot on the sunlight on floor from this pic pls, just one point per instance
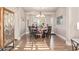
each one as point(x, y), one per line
point(33, 46)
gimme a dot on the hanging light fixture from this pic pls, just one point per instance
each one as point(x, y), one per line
point(40, 15)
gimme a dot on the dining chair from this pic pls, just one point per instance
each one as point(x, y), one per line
point(48, 34)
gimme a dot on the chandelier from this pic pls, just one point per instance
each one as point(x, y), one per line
point(40, 15)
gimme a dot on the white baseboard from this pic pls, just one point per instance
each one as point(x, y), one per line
point(68, 43)
point(22, 34)
point(27, 32)
point(64, 38)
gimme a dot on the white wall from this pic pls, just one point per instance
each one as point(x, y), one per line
point(61, 29)
point(65, 30)
point(68, 29)
point(22, 21)
point(72, 17)
point(75, 19)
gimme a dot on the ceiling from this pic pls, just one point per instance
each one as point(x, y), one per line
point(38, 9)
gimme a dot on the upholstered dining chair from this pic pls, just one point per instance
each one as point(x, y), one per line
point(48, 34)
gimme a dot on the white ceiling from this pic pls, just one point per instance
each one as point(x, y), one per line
point(42, 9)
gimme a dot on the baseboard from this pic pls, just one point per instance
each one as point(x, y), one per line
point(22, 34)
point(27, 32)
point(68, 43)
point(64, 38)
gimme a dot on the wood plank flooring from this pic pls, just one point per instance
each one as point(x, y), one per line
point(27, 44)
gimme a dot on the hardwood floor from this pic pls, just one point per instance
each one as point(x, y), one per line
point(27, 44)
point(60, 45)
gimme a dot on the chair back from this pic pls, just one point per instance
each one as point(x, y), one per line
point(49, 30)
point(30, 29)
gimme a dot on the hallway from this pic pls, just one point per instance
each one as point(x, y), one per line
point(38, 21)
point(39, 29)
point(25, 44)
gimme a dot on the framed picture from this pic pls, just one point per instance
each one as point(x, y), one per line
point(60, 20)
